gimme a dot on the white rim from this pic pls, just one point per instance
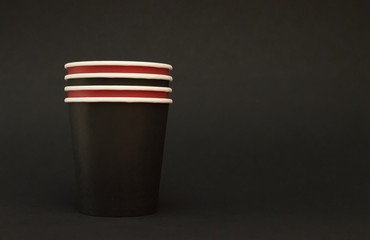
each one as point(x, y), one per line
point(117, 99)
point(118, 63)
point(107, 87)
point(118, 75)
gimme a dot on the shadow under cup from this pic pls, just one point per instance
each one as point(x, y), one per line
point(118, 148)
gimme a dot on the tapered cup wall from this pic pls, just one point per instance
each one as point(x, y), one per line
point(118, 150)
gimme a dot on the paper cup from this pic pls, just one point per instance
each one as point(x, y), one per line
point(118, 149)
point(118, 114)
point(105, 91)
point(118, 79)
point(118, 67)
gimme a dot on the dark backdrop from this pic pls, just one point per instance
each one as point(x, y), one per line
point(268, 136)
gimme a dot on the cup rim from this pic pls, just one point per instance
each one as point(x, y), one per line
point(118, 99)
point(118, 63)
point(118, 75)
point(117, 87)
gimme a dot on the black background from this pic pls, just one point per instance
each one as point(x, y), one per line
point(268, 136)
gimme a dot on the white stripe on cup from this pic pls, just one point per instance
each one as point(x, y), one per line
point(118, 75)
point(118, 63)
point(119, 87)
point(118, 99)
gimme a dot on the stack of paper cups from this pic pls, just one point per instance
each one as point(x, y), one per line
point(118, 114)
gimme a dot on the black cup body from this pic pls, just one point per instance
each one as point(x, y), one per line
point(118, 81)
point(118, 149)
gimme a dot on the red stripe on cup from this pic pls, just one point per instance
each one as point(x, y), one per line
point(117, 93)
point(117, 69)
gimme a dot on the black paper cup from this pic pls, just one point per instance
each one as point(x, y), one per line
point(118, 115)
point(118, 149)
point(118, 79)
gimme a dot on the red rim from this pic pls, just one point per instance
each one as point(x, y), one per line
point(117, 69)
point(117, 93)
